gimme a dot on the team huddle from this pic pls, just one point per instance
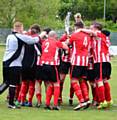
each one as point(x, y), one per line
point(33, 57)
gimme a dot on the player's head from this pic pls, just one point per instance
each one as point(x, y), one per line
point(47, 30)
point(97, 26)
point(106, 32)
point(78, 25)
point(91, 27)
point(52, 34)
point(35, 29)
point(18, 27)
point(77, 17)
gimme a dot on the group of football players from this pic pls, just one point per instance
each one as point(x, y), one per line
point(32, 58)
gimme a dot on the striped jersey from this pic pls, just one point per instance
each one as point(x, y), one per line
point(101, 45)
point(50, 54)
point(81, 42)
point(65, 53)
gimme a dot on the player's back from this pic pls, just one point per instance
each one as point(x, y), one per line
point(101, 48)
point(81, 43)
point(49, 52)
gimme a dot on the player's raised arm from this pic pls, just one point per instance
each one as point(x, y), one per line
point(65, 46)
point(43, 34)
point(53, 35)
point(28, 39)
point(95, 28)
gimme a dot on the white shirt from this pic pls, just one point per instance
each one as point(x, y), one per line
point(12, 45)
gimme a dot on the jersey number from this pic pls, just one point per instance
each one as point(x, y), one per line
point(47, 46)
point(85, 42)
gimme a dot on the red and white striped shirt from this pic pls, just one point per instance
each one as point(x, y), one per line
point(81, 43)
point(90, 63)
point(101, 48)
point(90, 57)
point(50, 55)
point(65, 57)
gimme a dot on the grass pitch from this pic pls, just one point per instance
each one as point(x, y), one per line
point(66, 112)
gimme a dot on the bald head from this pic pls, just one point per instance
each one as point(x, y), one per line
point(52, 34)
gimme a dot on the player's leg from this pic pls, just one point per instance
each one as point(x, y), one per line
point(30, 93)
point(101, 90)
point(5, 83)
point(38, 84)
point(85, 91)
point(106, 77)
point(31, 76)
point(108, 93)
point(71, 94)
point(62, 79)
point(84, 85)
point(56, 95)
point(63, 70)
point(47, 75)
point(14, 77)
point(76, 87)
point(56, 83)
point(24, 87)
point(94, 91)
point(49, 93)
point(23, 91)
point(84, 88)
point(18, 86)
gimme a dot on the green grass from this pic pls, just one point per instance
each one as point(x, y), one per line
point(66, 112)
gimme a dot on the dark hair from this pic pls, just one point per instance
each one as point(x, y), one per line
point(79, 24)
point(47, 30)
point(35, 28)
point(106, 32)
point(97, 25)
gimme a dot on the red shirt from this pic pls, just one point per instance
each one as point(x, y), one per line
point(50, 54)
point(63, 38)
point(81, 43)
point(101, 48)
point(65, 58)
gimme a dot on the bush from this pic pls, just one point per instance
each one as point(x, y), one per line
point(106, 24)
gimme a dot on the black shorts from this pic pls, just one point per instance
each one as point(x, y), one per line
point(64, 67)
point(79, 72)
point(29, 73)
point(12, 75)
point(90, 75)
point(49, 73)
point(39, 72)
point(106, 70)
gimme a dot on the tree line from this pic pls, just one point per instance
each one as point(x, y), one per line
point(52, 12)
point(90, 9)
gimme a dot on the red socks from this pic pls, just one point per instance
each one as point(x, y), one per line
point(78, 91)
point(31, 91)
point(101, 91)
point(84, 89)
point(56, 95)
point(107, 91)
point(49, 93)
point(38, 96)
point(94, 90)
point(51, 89)
point(23, 91)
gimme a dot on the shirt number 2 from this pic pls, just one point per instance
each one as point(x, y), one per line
point(47, 46)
